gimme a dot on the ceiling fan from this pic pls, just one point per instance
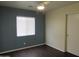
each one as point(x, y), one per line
point(42, 5)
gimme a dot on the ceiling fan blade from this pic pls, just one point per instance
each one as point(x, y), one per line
point(46, 2)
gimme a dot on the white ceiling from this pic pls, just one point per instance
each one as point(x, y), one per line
point(28, 4)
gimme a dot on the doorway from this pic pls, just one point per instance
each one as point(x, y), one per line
point(72, 34)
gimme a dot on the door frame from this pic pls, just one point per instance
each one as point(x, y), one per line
point(66, 26)
point(66, 15)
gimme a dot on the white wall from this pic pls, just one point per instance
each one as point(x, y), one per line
point(55, 25)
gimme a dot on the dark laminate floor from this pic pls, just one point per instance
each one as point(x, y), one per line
point(39, 51)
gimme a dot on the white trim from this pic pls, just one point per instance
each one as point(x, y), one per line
point(55, 48)
point(21, 48)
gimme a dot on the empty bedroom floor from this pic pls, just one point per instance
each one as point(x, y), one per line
point(39, 51)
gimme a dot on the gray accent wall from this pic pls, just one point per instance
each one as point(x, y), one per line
point(0, 30)
point(8, 38)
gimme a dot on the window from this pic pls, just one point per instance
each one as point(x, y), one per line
point(25, 26)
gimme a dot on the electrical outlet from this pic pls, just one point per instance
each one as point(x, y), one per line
point(24, 43)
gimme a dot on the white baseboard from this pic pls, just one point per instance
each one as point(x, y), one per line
point(55, 48)
point(21, 48)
